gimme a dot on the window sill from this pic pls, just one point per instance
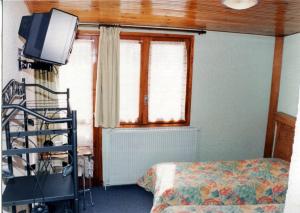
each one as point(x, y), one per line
point(152, 125)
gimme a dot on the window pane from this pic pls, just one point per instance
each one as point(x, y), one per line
point(130, 54)
point(77, 75)
point(167, 81)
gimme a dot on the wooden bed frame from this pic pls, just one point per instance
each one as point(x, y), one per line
point(284, 136)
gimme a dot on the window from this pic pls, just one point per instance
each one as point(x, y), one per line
point(130, 57)
point(155, 79)
point(77, 75)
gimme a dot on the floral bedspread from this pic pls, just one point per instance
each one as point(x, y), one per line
point(260, 208)
point(258, 181)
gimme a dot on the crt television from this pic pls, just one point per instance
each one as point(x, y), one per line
point(49, 36)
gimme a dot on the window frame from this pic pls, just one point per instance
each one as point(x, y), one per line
point(145, 39)
point(97, 131)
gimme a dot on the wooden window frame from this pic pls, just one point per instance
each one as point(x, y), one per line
point(145, 39)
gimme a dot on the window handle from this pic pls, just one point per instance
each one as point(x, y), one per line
point(146, 99)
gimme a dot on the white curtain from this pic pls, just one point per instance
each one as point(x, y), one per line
point(42, 99)
point(107, 86)
point(48, 79)
point(292, 204)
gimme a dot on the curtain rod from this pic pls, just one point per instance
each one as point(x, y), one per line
point(143, 27)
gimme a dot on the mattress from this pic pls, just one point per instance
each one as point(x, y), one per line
point(256, 181)
point(259, 208)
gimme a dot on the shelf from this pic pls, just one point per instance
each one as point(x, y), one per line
point(24, 190)
point(63, 148)
point(40, 132)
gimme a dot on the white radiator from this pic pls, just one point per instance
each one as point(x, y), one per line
point(128, 153)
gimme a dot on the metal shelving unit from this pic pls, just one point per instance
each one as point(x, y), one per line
point(55, 187)
point(18, 114)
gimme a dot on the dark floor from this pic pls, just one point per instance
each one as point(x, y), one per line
point(119, 199)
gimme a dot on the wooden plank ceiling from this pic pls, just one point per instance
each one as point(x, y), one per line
point(269, 17)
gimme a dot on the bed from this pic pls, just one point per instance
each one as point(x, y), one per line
point(243, 182)
point(257, 181)
point(262, 208)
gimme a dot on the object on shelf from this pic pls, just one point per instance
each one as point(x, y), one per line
point(85, 169)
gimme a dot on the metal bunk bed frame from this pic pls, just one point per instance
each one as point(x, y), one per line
point(55, 187)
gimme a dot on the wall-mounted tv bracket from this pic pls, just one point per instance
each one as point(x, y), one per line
point(35, 65)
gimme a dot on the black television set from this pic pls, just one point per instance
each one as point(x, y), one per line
point(49, 36)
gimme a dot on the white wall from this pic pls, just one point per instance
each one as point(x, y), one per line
point(290, 75)
point(289, 103)
point(13, 10)
point(292, 203)
point(231, 87)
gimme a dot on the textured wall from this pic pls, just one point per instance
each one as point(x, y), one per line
point(290, 76)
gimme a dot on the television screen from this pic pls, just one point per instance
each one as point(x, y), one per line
point(49, 36)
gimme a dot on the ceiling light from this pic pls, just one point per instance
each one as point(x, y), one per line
point(240, 4)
